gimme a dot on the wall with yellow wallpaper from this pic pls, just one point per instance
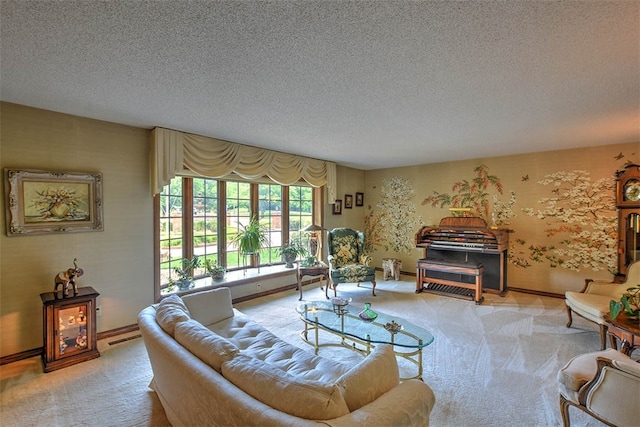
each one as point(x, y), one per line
point(117, 262)
point(559, 205)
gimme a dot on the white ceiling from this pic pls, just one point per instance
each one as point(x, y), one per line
point(365, 84)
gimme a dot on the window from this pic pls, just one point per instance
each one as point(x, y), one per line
point(270, 212)
point(200, 216)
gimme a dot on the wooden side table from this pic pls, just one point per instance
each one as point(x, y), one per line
point(317, 270)
point(626, 330)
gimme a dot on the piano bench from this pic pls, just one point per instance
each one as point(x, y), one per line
point(448, 287)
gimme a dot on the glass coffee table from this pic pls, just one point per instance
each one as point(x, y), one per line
point(343, 321)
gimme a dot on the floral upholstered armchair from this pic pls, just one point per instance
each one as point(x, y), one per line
point(347, 261)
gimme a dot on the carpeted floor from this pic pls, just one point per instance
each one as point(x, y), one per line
point(489, 365)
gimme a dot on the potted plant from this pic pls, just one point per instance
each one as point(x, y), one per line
point(214, 270)
point(184, 272)
point(251, 237)
point(629, 303)
point(291, 251)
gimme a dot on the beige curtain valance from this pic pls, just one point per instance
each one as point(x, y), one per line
point(173, 151)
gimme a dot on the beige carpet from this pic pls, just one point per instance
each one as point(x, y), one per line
point(489, 365)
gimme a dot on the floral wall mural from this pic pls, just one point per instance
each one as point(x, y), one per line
point(562, 219)
point(394, 221)
point(583, 214)
point(474, 194)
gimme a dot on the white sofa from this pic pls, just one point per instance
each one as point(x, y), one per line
point(212, 365)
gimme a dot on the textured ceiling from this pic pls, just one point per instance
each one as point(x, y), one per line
point(366, 84)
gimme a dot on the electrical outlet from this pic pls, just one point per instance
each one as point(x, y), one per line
point(99, 311)
point(259, 287)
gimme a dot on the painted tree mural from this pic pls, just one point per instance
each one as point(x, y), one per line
point(582, 214)
point(393, 222)
point(475, 195)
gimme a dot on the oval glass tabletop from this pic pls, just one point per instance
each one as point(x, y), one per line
point(384, 329)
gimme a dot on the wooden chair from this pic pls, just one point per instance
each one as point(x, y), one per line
point(592, 302)
point(604, 384)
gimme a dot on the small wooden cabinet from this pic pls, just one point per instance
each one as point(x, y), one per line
point(69, 326)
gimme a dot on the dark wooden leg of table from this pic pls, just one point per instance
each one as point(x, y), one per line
point(300, 286)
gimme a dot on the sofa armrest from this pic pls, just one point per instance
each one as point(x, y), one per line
point(407, 404)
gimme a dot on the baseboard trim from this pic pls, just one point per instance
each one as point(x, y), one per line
point(27, 354)
point(118, 331)
point(533, 292)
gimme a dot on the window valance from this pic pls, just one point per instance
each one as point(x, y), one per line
point(173, 151)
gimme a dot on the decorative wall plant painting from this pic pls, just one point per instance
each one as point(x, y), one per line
point(474, 194)
point(45, 202)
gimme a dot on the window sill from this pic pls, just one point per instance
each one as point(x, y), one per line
point(234, 278)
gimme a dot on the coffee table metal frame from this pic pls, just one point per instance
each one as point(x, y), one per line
point(362, 336)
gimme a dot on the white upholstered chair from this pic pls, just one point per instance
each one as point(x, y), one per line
point(604, 384)
point(592, 302)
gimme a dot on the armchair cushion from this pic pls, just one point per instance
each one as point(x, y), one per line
point(581, 369)
point(590, 306)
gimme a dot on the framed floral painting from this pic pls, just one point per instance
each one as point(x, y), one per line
point(52, 202)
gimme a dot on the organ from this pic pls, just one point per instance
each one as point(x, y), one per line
point(462, 258)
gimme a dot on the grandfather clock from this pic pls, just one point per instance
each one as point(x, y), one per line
point(628, 203)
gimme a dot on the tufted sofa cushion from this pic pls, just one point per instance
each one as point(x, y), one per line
point(208, 346)
point(283, 391)
point(254, 340)
point(171, 311)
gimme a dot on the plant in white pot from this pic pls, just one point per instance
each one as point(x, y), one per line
point(214, 270)
point(184, 272)
point(291, 251)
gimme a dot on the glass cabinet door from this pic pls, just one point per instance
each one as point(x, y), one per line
point(73, 335)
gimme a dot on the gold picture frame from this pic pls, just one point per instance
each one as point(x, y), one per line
point(40, 202)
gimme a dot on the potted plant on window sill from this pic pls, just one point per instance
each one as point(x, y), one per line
point(184, 272)
point(214, 270)
point(291, 251)
point(251, 238)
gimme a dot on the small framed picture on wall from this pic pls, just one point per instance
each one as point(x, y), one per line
point(348, 201)
point(337, 207)
point(359, 199)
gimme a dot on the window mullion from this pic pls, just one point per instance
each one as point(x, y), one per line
point(187, 218)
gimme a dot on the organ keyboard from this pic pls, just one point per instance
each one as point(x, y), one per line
point(462, 241)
